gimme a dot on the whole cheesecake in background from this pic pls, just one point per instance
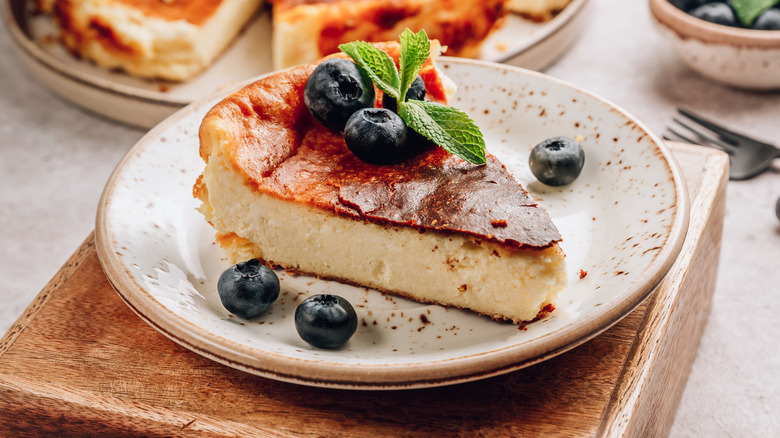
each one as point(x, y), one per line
point(281, 187)
point(165, 39)
point(537, 10)
point(306, 30)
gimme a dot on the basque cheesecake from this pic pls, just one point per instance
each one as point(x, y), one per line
point(166, 39)
point(279, 186)
point(306, 30)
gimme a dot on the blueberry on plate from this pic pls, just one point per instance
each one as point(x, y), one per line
point(416, 92)
point(335, 90)
point(718, 13)
point(325, 321)
point(247, 289)
point(557, 161)
point(376, 135)
point(768, 20)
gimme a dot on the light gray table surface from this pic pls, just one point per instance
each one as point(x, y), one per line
point(55, 160)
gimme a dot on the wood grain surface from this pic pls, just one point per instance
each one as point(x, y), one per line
point(79, 362)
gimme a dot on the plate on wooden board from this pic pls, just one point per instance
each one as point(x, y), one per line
point(623, 222)
point(144, 103)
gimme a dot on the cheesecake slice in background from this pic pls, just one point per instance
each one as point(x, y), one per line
point(306, 30)
point(165, 39)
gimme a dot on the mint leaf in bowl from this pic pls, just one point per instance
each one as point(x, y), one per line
point(748, 10)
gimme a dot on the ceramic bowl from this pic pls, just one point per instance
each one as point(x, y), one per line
point(742, 58)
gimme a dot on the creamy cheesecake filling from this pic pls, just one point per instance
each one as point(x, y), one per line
point(486, 277)
point(119, 35)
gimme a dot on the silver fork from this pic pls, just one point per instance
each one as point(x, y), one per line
point(747, 156)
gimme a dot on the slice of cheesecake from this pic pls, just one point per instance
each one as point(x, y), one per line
point(166, 39)
point(306, 30)
point(537, 10)
point(279, 186)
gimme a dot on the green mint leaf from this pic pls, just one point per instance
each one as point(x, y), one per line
point(748, 10)
point(415, 49)
point(448, 127)
point(376, 64)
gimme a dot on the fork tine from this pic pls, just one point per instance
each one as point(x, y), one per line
point(685, 138)
point(698, 141)
point(726, 134)
point(704, 137)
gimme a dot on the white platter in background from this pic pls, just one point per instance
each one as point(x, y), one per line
point(144, 103)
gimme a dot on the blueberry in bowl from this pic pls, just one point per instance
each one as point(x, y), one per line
point(716, 12)
point(768, 20)
point(726, 41)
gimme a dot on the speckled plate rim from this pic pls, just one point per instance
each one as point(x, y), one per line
point(49, 62)
point(396, 376)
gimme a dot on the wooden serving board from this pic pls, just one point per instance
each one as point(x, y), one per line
point(79, 362)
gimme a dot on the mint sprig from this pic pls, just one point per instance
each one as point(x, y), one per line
point(415, 50)
point(376, 64)
point(748, 10)
point(448, 127)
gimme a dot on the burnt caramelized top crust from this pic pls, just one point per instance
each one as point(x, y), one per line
point(193, 11)
point(268, 135)
point(379, 20)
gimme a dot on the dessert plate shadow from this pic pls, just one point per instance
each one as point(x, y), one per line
point(144, 103)
point(623, 222)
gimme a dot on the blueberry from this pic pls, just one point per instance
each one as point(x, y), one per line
point(557, 161)
point(416, 92)
point(688, 5)
point(768, 20)
point(376, 135)
point(777, 209)
point(247, 289)
point(718, 13)
point(335, 90)
point(325, 321)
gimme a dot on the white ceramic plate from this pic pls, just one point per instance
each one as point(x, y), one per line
point(623, 221)
point(145, 103)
